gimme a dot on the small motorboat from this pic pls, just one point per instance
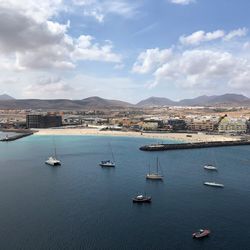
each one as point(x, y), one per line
point(201, 233)
point(210, 167)
point(107, 163)
point(213, 184)
point(142, 199)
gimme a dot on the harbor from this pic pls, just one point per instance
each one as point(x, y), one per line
point(177, 146)
point(72, 190)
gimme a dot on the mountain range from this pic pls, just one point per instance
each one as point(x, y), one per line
point(95, 102)
point(6, 97)
point(204, 100)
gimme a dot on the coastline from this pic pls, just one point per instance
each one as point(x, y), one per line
point(199, 137)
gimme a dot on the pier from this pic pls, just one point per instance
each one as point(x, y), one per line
point(176, 146)
point(19, 134)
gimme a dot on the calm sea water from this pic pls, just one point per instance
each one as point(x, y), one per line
point(83, 206)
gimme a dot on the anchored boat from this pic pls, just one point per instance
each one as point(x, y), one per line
point(210, 167)
point(142, 199)
point(108, 163)
point(214, 184)
point(156, 175)
point(52, 160)
point(201, 233)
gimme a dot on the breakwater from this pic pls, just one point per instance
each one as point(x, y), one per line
point(19, 134)
point(176, 146)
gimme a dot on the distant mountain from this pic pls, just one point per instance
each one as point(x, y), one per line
point(204, 100)
point(95, 102)
point(197, 101)
point(59, 104)
point(226, 99)
point(156, 101)
point(98, 102)
point(5, 97)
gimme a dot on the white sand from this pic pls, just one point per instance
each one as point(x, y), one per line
point(200, 137)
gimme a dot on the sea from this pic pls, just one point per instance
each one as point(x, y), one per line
point(81, 205)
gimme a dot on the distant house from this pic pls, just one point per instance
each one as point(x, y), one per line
point(230, 125)
point(204, 123)
point(152, 124)
point(248, 126)
point(43, 121)
point(177, 124)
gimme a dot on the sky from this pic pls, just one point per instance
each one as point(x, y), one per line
point(124, 49)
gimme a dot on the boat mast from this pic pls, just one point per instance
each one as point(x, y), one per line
point(113, 158)
point(54, 147)
point(157, 163)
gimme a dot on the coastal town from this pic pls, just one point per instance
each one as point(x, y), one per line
point(191, 124)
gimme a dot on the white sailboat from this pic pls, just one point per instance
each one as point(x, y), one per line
point(211, 166)
point(52, 160)
point(108, 163)
point(155, 175)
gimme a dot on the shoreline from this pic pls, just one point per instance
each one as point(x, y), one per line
point(199, 137)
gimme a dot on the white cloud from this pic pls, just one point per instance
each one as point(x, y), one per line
point(236, 33)
point(86, 50)
point(151, 59)
point(99, 9)
point(94, 13)
point(203, 68)
point(48, 87)
point(182, 2)
point(196, 67)
point(201, 36)
point(30, 40)
point(38, 10)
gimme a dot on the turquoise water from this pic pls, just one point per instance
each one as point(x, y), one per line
point(83, 206)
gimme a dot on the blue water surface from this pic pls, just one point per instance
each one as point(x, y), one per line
point(83, 206)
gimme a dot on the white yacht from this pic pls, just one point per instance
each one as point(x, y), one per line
point(52, 161)
point(214, 184)
point(156, 175)
point(210, 167)
point(108, 163)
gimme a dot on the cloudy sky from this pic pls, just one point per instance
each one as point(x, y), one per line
point(124, 49)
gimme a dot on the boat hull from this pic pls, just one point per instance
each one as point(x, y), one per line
point(201, 235)
point(107, 165)
point(53, 164)
point(154, 177)
point(217, 185)
point(210, 168)
point(144, 200)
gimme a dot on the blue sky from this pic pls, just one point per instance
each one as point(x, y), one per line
point(123, 49)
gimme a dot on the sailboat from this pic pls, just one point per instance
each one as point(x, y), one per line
point(108, 163)
point(211, 166)
point(155, 175)
point(52, 160)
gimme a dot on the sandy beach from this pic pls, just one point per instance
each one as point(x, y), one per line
point(200, 137)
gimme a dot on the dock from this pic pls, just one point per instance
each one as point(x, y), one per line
point(18, 135)
point(177, 146)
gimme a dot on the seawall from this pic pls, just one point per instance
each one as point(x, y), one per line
point(176, 146)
